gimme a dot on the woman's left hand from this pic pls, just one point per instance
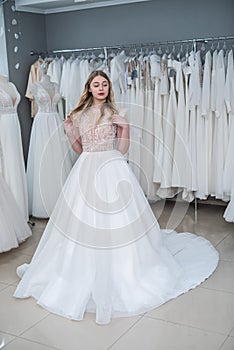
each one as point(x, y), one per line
point(120, 121)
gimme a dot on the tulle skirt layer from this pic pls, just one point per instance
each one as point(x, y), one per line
point(13, 227)
point(103, 251)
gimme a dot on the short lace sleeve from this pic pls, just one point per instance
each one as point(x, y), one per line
point(76, 119)
point(123, 112)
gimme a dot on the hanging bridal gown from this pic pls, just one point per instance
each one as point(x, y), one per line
point(12, 151)
point(228, 179)
point(221, 128)
point(102, 250)
point(181, 171)
point(13, 227)
point(49, 161)
point(147, 140)
point(166, 190)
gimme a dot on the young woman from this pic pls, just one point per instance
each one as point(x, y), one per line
point(102, 250)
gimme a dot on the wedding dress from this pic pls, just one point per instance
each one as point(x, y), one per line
point(49, 161)
point(102, 250)
point(13, 170)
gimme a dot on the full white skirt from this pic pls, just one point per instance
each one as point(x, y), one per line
point(49, 163)
point(13, 227)
point(103, 251)
point(12, 160)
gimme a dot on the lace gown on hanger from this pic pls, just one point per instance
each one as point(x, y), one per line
point(102, 250)
point(49, 160)
point(13, 227)
point(13, 168)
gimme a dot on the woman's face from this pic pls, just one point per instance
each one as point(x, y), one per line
point(99, 88)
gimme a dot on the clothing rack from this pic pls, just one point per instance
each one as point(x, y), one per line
point(194, 41)
point(135, 45)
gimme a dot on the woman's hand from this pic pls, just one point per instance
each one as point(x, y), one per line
point(68, 125)
point(122, 133)
point(120, 121)
point(73, 134)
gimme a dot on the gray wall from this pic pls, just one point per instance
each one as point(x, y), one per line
point(32, 37)
point(157, 20)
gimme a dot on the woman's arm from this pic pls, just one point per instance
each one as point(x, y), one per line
point(122, 133)
point(73, 135)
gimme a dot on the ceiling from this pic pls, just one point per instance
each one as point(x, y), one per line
point(53, 6)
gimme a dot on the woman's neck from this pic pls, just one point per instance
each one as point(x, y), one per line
point(98, 103)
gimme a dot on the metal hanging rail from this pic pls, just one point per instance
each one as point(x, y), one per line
point(135, 45)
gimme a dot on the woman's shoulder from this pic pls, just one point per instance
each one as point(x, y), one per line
point(76, 118)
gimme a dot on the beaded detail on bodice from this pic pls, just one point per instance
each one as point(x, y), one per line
point(7, 105)
point(95, 136)
point(45, 102)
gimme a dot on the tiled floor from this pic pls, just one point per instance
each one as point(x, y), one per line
point(202, 319)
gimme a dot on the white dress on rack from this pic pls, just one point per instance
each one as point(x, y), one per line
point(12, 150)
point(13, 226)
point(49, 161)
point(147, 139)
point(181, 173)
point(221, 131)
point(102, 250)
point(156, 76)
point(228, 178)
point(207, 128)
point(166, 190)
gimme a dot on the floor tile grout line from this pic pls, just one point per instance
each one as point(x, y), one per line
point(186, 325)
point(223, 239)
point(36, 323)
point(125, 332)
point(31, 341)
point(229, 261)
point(231, 332)
point(37, 342)
point(220, 348)
point(217, 290)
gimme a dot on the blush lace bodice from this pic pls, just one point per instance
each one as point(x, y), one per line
point(7, 105)
point(96, 137)
point(46, 103)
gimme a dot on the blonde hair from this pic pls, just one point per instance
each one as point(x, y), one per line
point(86, 99)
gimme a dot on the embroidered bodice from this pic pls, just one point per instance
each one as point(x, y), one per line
point(7, 104)
point(96, 137)
point(46, 103)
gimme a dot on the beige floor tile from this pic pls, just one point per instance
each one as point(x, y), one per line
point(5, 339)
point(21, 344)
point(226, 248)
point(229, 344)
point(202, 308)
point(170, 215)
point(232, 332)
point(29, 246)
point(149, 334)
point(86, 334)
point(210, 223)
point(8, 264)
point(222, 278)
point(17, 315)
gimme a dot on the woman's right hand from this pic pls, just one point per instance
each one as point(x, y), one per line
point(68, 124)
